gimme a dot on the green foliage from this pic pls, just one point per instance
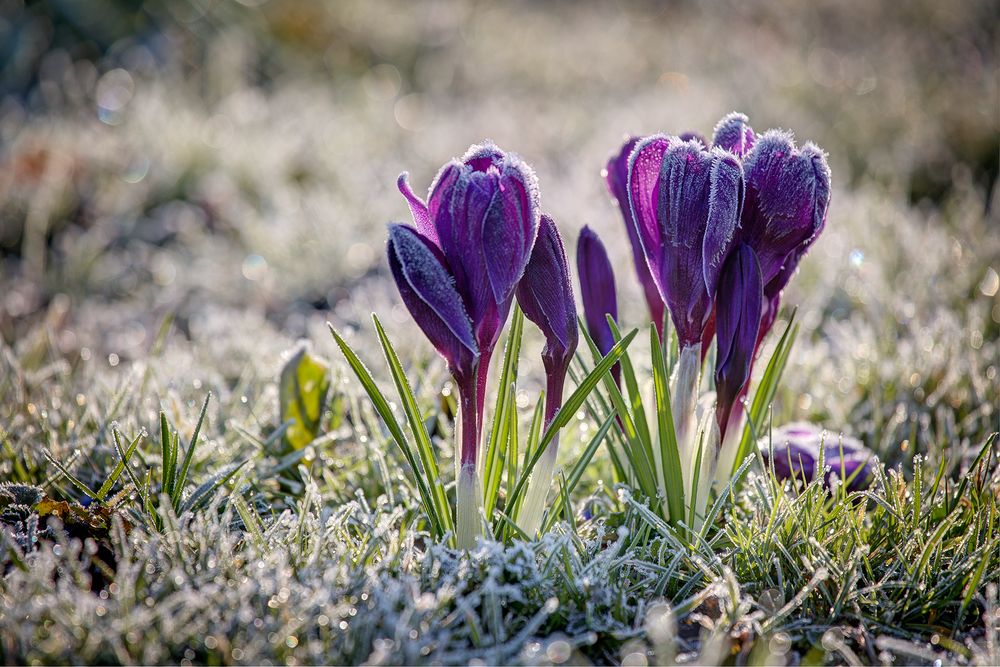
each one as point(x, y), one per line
point(500, 468)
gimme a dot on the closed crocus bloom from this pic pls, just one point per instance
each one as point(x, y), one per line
point(482, 213)
point(456, 270)
point(787, 199)
point(685, 202)
point(546, 297)
point(738, 312)
point(796, 454)
point(616, 177)
point(597, 288)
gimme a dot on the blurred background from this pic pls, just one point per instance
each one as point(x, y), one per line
point(232, 164)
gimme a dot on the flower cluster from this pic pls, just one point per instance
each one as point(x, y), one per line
point(716, 228)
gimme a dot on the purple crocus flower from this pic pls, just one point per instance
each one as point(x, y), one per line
point(478, 226)
point(616, 176)
point(685, 202)
point(597, 288)
point(796, 454)
point(738, 313)
point(546, 297)
point(787, 197)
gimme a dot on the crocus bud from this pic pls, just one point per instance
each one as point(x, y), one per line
point(738, 312)
point(685, 201)
point(616, 176)
point(546, 297)
point(734, 134)
point(796, 453)
point(597, 288)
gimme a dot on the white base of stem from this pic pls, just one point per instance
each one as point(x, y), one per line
point(468, 510)
point(530, 517)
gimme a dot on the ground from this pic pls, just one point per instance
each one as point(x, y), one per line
point(188, 192)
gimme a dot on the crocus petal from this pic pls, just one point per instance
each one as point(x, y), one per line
point(480, 157)
point(597, 288)
point(724, 205)
point(546, 296)
point(429, 293)
point(440, 194)
point(422, 219)
point(511, 235)
point(737, 317)
point(856, 471)
point(734, 134)
point(787, 196)
point(693, 136)
point(616, 176)
point(644, 167)
point(685, 190)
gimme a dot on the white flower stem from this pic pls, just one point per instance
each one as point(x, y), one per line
point(529, 519)
point(684, 402)
point(728, 448)
point(468, 510)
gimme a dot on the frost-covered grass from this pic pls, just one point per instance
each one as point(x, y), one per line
point(186, 245)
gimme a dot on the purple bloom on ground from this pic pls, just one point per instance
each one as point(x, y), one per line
point(546, 297)
point(616, 176)
point(738, 312)
point(597, 288)
point(457, 267)
point(796, 455)
point(685, 201)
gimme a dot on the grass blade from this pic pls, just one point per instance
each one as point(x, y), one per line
point(381, 406)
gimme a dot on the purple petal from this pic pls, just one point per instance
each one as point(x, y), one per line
point(474, 206)
point(683, 204)
point(597, 288)
point(430, 295)
point(787, 197)
point(644, 167)
point(546, 297)
point(511, 235)
point(422, 219)
point(480, 157)
point(616, 175)
point(693, 136)
point(734, 134)
point(724, 206)
point(737, 317)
